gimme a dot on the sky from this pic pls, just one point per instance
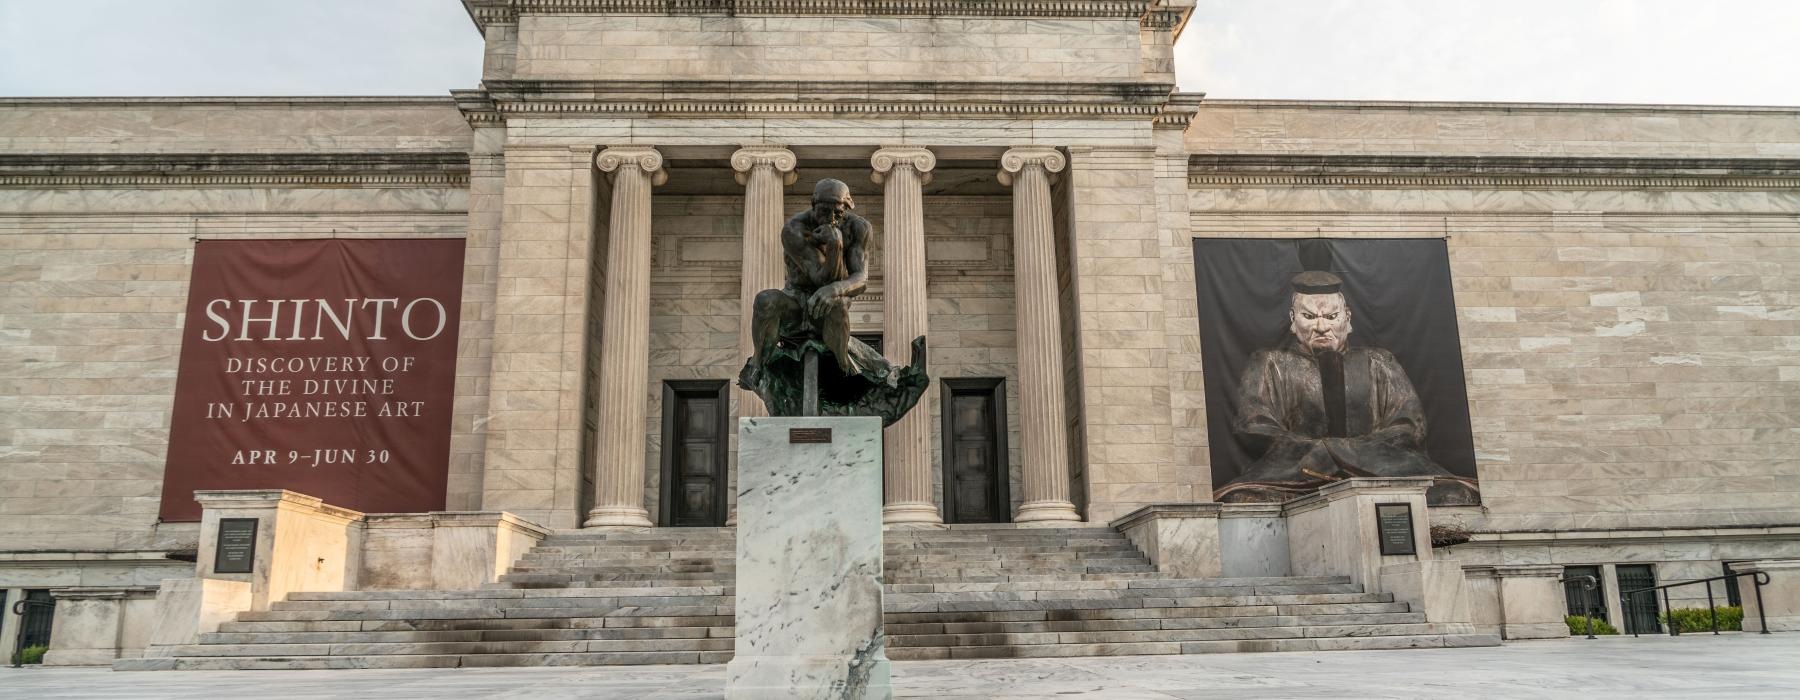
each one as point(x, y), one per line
point(1634, 51)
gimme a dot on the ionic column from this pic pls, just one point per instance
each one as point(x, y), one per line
point(625, 340)
point(763, 171)
point(1029, 171)
point(906, 447)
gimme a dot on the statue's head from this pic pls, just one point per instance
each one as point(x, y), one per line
point(1319, 316)
point(831, 201)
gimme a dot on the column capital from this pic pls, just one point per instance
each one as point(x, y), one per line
point(777, 157)
point(646, 157)
point(1017, 159)
point(887, 158)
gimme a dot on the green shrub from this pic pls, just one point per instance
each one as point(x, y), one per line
point(1731, 618)
point(32, 654)
point(1578, 626)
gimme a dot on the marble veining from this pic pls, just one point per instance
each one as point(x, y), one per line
point(809, 563)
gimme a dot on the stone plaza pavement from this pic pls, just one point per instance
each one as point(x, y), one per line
point(1730, 665)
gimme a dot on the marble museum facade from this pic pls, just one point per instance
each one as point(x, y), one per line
point(1626, 277)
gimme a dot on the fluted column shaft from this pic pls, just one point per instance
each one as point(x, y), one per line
point(625, 340)
point(763, 171)
point(906, 447)
point(1042, 419)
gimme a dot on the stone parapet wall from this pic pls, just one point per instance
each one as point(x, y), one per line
point(1466, 128)
point(696, 47)
point(230, 124)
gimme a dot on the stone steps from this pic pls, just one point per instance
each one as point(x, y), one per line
point(1424, 641)
point(667, 596)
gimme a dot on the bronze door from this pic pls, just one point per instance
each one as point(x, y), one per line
point(694, 453)
point(974, 438)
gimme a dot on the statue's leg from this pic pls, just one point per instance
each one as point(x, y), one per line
point(772, 309)
point(835, 323)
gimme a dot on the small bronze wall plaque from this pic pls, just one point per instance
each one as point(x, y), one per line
point(798, 435)
point(1394, 525)
point(236, 551)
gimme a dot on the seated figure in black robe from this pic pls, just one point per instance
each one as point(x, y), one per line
point(1318, 410)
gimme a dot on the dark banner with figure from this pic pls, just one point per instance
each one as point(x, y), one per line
point(1327, 359)
point(325, 367)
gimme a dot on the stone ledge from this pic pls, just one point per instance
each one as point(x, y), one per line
point(1166, 511)
point(1384, 485)
point(1164, 14)
point(1622, 535)
point(1210, 170)
point(388, 169)
point(1355, 105)
point(704, 98)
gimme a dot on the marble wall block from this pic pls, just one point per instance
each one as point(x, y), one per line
point(1437, 587)
point(1253, 540)
point(1780, 604)
point(809, 562)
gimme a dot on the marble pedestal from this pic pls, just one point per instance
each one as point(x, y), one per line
point(809, 561)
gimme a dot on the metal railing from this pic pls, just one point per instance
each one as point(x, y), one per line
point(19, 608)
point(1759, 578)
point(1588, 584)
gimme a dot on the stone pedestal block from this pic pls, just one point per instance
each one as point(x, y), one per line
point(1780, 604)
point(1332, 531)
point(302, 543)
point(1532, 605)
point(189, 607)
point(91, 625)
point(1182, 539)
point(809, 561)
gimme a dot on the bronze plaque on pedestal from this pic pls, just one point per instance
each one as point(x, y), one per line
point(236, 547)
point(1394, 526)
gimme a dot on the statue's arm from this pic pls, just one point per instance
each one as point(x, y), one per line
point(856, 244)
point(1399, 415)
point(1260, 424)
point(793, 247)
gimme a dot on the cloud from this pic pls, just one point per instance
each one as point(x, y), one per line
point(1659, 51)
point(233, 47)
point(1670, 51)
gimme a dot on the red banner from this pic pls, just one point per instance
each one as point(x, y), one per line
point(325, 367)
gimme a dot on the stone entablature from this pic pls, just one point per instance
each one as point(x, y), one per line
point(395, 169)
point(1160, 13)
point(1209, 170)
point(694, 99)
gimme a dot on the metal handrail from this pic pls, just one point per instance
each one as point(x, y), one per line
point(1588, 583)
point(1759, 578)
point(18, 608)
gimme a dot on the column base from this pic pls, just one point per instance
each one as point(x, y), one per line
point(910, 515)
point(1047, 514)
point(618, 517)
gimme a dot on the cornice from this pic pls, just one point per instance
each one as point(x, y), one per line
point(1484, 172)
point(1179, 111)
point(708, 98)
point(247, 102)
point(477, 108)
point(436, 169)
point(485, 12)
